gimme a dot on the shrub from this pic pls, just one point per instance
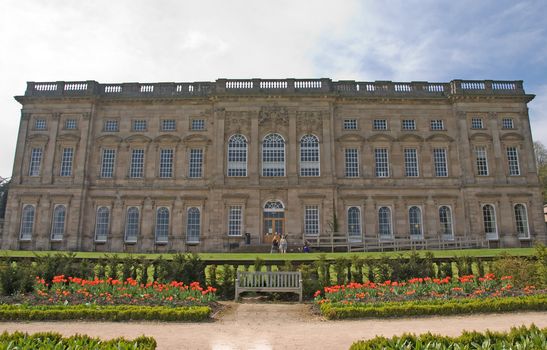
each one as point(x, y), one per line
point(522, 270)
point(16, 278)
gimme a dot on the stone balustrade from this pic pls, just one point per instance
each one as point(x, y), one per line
point(274, 86)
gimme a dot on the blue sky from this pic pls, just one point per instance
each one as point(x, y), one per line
point(151, 41)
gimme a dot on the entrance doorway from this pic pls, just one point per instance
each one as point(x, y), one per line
point(274, 221)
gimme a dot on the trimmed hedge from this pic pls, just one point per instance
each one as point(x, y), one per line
point(434, 307)
point(55, 341)
point(531, 338)
point(103, 313)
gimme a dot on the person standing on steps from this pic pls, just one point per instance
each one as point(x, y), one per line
point(283, 245)
point(275, 245)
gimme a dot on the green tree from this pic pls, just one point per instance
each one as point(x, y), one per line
point(540, 152)
point(4, 186)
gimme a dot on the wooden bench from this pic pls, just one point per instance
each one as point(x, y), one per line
point(271, 281)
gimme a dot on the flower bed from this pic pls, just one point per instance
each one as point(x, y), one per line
point(50, 340)
point(517, 338)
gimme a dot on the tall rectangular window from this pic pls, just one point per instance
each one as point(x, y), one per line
point(382, 162)
point(513, 161)
point(352, 162)
point(35, 162)
point(137, 164)
point(439, 161)
point(139, 125)
point(111, 125)
point(168, 125)
point(40, 124)
point(409, 124)
point(197, 124)
point(107, 163)
point(379, 124)
point(411, 162)
point(350, 124)
point(234, 220)
point(66, 161)
point(476, 123)
point(195, 163)
point(482, 161)
point(71, 124)
point(311, 220)
point(166, 163)
point(507, 123)
point(437, 124)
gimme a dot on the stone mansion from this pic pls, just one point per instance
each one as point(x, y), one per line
point(212, 166)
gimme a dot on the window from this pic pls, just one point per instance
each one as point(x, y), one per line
point(311, 220)
point(132, 225)
point(102, 222)
point(66, 161)
point(379, 124)
point(437, 124)
point(384, 222)
point(352, 162)
point(489, 221)
point(168, 125)
point(415, 222)
point(107, 163)
point(111, 125)
point(137, 164)
point(273, 155)
point(439, 162)
point(309, 156)
point(40, 124)
point(482, 161)
point(27, 223)
point(521, 220)
point(139, 125)
point(195, 163)
point(237, 155)
point(58, 223)
point(507, 123)
point(350, 124)
point(197, 124)
point(382, 162)
point(35, 162)
point(411, 162)
point(166, 163)
point(234, 221)
point(445, 219)
point(162, 225)
point(354, 222)
point(409, 124)
point(476, 123)
point(513, 161)
point(71, 124)
point(193, 224)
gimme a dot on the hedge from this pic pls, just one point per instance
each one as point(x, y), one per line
point(435, 307)
point(55, 341)
point(103, 313)
point(517, 338)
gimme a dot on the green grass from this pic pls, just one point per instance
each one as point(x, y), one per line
point(288, 256)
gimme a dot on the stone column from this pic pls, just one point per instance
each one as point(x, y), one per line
point(465, 153)
point(430, 219)
point(117, 223)
point(217, 160)
point(253, 161)
point(147, 226)
point(50, 156)
point(18, 164)
point(150, 158)
point(499, 158)
point(369, 226)
point(327, 150)
point(292, 160)
point(42, 221)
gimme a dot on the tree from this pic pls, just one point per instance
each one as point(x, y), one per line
point(540, 152)
point(4, 185)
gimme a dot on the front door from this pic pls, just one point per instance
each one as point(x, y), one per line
point(274, 221)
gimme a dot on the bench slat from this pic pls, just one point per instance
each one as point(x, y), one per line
point(270, 281)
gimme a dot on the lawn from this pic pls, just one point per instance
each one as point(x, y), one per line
point(288, 256)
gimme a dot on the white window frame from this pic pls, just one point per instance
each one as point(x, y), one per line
point(58, 227)
point(490, 235)
point(167, 156)
point(350, 124)
point(513, 164)
point(382, 235)
point(195, 163)
point(481, 161)
point(412, 167)
point(354, 229)
point(408, 124)
point(508, 123)
point(436, 124)
point(191, 239)
point(237, 156)
point(35, 161)
point(99, 238)
point(379, 124)
point(525, 224)
point(440, 164)
point(276, 167)
point(235, 220)
point(108, 163)
point(312, 224)
point(26, 229)
point(67, 161)
point(310, 156)
point(40, 124)
point(131, 225)
point(420, 222)
point(136, 168)
point(162, 225)
point(351, 162)
point(71, 124)
point(111, 125)
point(168, 125)
point(446, 235)
point(197, 124)
point(139, 125)
point(477, 123)
point(381, 163)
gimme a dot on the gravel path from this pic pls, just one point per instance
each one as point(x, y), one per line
point(278, 326)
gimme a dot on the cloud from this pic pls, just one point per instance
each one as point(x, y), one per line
point(538, 115)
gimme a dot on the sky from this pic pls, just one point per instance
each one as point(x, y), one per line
point(186, 41)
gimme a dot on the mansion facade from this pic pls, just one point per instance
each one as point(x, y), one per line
point(209, 166)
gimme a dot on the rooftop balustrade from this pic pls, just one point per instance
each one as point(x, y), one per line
point(274, 86)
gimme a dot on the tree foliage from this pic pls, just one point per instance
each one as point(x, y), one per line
point(540, 152)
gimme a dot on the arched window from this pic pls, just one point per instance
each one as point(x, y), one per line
point(521, 218)
point(58, 223)
point(193, 225)
point(489, 220)
point(384, 222)
point(445, 219)
point(27, 222)
point(162, 224)
point(273, 155)
point(237, 155)
point(273, 206)
point(415, 222)
point(309, 156)
point(102, 222)
point(354, 222)
point(132, 225)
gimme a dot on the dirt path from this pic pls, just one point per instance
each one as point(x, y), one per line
point(278, 326)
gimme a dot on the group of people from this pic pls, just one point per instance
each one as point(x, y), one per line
point(279, 244)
